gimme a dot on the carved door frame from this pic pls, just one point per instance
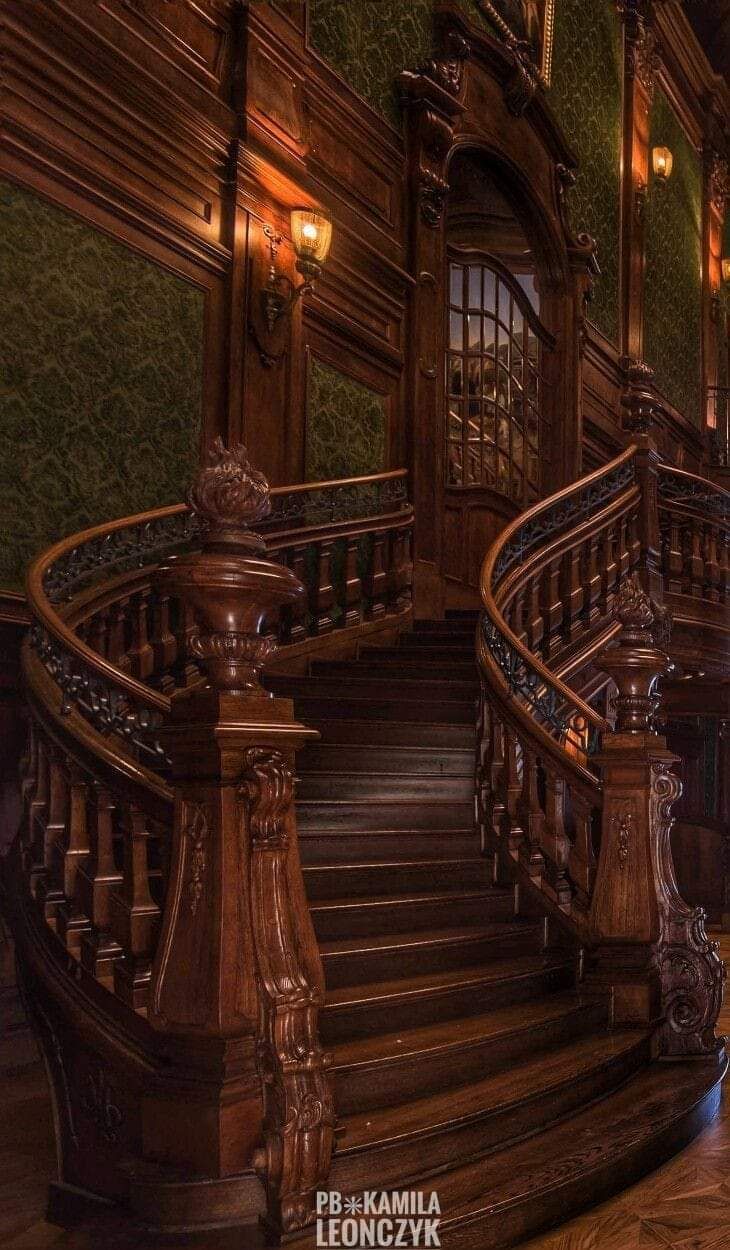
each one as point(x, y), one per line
point(483, 95)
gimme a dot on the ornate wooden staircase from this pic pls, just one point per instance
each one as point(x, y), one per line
point(507, 964)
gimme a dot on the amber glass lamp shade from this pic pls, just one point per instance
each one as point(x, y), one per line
point(662, 161)
point(311, 234)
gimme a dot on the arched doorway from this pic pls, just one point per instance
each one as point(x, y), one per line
point(498, 405)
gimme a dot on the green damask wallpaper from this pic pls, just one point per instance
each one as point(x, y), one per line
point(369, 42)
point(673, 284)
point(346, 425)
point(586, 97)
point(100, 379)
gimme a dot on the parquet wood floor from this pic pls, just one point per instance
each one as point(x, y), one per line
point(684, 1205)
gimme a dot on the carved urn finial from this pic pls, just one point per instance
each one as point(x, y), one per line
point(638, 400)
point(635, 663)
point(229, 584)
point(229, 496)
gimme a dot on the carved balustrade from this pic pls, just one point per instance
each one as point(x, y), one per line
point(151, 747)
point(577, 810)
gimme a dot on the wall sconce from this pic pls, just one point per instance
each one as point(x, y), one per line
point(726, 268)
point(311, 234)
point(661, 162)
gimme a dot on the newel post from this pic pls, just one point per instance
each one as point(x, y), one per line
point(237, 974)
point(650, 948)
point(641, 409)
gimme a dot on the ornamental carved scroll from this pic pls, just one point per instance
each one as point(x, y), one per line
point(691, 971)
point(293, 1160)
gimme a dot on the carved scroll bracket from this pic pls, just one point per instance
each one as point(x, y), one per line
point(237, 968)
point(299, 1114)
point(432, 97)
point(651, 948)
point(643, 52)
point(640, 404)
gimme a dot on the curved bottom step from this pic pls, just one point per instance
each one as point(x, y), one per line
point(499, 1200)
point(495, 1203)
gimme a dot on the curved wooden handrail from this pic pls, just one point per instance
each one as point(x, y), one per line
point(49, 621)
point(488, 588)
point(708, 487)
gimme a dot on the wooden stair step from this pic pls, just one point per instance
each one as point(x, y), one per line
point(314, 707)
point(388, 1147)
point(329, 844)
point(437, 686)
point(435, 655)
point(382, 786)
point(495, 1202)
point(440, 637)
point(451, 625)
point(412, 1062)
point(383, 876)
point(368, 758)
point(354, 732)
point(343, 917)
point(359, 959)
point(361, 814)
point(381, 1006)
point(406, 666)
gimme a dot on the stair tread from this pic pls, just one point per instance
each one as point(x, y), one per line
point(413, 987)
point(542, 1071)
point(425, 937)
point(582, 1143)
point(417, 862)
point(454, 1034)
point(404, 899)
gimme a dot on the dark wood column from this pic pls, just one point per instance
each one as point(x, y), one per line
point(641, 61)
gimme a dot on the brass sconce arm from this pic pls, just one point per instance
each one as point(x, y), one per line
point(311, 233)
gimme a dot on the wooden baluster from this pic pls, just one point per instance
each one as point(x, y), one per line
point(353, 585)
point(135, 917)
point(675, 557)
point(117, 644)
point(532, 817)
point(633, 540)
point(624, 554)
point(162, 640)
point(518, 616)
point(591, 579)
point(534, 623)
point(70, 921)
point(29, 769)
point(140, 654)
point(695, 562)
point(98, 632)
point(555, 839)
point(712, 566)
point(375, 582)
point(495, 795)
point(608, 569)
point(37, 816)
point(552, 605)
point(572, 594)
point(513, 790)
point(723, 578)
point(322, 593)
point(48, 886)
point(581, 858)
point(401, 566)
point(293, 615)
point(96, 879)
point(186, 671)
